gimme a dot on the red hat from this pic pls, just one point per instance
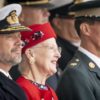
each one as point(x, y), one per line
point(39, 33)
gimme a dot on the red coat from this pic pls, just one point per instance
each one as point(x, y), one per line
point(33, 92)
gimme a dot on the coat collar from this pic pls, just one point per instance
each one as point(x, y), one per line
point(89, 63)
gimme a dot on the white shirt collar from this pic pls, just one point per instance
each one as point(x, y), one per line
point(5, 73)
point(91, 56)
point(77, 44)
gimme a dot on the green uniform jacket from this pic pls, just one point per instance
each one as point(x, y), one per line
point(80, 80)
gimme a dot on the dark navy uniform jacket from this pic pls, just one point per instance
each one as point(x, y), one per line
point(9, 90)
point(68, 51)
point(80, 80)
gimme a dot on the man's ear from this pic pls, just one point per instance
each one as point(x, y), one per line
point(57, 23)
point(85, 28)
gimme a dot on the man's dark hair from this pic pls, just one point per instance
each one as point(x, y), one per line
point(88, 20)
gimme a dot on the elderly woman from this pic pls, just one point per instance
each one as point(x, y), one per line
point(39, 60)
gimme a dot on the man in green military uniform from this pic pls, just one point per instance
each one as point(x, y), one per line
point(81, 79)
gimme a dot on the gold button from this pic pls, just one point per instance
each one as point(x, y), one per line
point(91, 65)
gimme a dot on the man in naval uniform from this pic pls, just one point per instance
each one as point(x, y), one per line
point(81, 78)
point(10, 51)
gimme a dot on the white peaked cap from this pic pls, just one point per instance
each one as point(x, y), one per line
point(9, 22)
point(4, 12)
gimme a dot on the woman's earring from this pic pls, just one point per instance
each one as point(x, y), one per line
point(32, 60)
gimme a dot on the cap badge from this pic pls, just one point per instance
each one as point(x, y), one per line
point(12, 18)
